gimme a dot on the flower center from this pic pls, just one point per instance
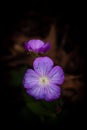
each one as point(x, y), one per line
point(44, 80)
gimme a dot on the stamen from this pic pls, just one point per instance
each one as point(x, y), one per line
point(44, 80)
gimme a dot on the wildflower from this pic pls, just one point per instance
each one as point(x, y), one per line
point(43, 82)
point(37, 46)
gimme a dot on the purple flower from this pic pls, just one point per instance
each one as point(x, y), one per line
point(43, 82)
point(37, 46)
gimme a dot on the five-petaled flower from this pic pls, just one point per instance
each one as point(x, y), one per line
point(37, 46)
point(44, 81)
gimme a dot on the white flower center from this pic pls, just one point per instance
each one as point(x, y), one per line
point(44, 80)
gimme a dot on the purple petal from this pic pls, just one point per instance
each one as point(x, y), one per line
point(37, 91)
point(56, 75)
point(30, 78)
point(52, 92)
point(27, 46)
point(47, 93)
point(35, 44)
point(43, 65)
point(45, 48)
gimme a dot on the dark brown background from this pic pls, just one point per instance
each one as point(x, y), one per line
point(68, 50)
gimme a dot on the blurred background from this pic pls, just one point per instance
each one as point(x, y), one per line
point(63, 29)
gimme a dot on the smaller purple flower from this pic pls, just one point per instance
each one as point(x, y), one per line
point(44, 81)
point(37, 46)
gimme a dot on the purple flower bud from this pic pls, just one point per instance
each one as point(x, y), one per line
point(37, 46)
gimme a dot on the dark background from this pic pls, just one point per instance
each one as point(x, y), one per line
point(9, 15)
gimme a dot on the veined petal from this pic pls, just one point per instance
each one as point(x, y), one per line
point(52, 92)
point(56, 75)
point(30, 78)
point(47, 93)
point(37, 91)
point(43, 65)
